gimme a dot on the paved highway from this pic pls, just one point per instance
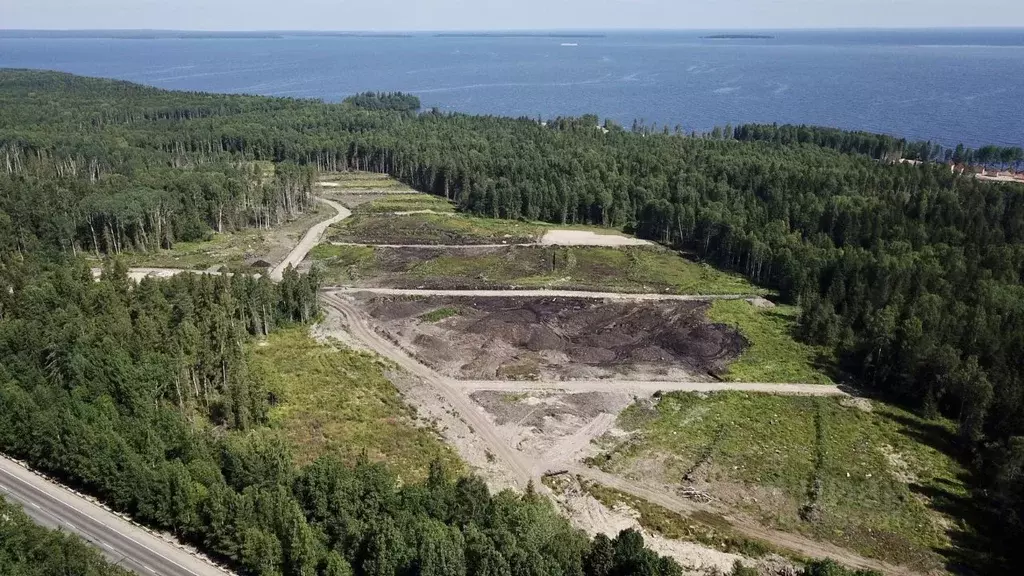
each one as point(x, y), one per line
point(124, 543)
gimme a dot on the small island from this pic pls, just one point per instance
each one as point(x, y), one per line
point(738, 37)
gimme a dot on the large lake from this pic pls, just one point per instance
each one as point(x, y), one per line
point(944, 85)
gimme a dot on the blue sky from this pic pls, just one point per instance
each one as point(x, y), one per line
point(503, 14)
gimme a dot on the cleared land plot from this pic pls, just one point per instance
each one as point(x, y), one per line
point(774, 355)
point(555, 428)
point(342, 181)
point(432, 229)
point(243, 251)
point(392, 203)
point(338, 401)
point(588, 238)
point(510, 338)
point(849, 471)
point(634, 269)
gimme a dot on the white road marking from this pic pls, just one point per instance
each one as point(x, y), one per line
point(37, 506)
point(96, 520)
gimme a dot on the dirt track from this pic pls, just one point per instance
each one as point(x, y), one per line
point(312, 237)
point(539, 294)
point(523, 468)
point(804, 546)
point(520, 468)
point(642, 388)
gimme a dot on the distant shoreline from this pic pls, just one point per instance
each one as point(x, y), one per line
point(267, 35)
point(185, 35)
point(738, 37)
point(515, 35)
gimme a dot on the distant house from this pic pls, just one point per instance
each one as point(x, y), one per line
point(260, 264)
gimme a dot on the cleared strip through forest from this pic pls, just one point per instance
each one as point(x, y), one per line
point(650, 387)
point(526, 468)
point(542, 293)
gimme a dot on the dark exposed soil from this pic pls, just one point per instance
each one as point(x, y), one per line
point(351, 199)
point(566, 338)
point(416, 229)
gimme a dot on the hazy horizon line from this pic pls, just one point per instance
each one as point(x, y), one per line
point(518, 30)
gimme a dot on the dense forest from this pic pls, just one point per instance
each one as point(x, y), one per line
point(393, 101)
point(877, 146)
point(143, 395)
point(911, 274)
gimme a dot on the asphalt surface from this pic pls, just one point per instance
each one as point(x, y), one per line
point(124, 543)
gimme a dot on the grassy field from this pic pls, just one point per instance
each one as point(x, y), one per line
point(705, 528)
point(221, 249)
point(339, 401)
point(590, 267)
point(432, 229)
point(405, 203)
point(440, 314)
point(344, 264)
point(850, 472)
point(362, 181)
point(773, 355)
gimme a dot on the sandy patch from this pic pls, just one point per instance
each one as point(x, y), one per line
point(898, 467)
point(584, 238)
point(588, 514)
point(554, 428)
point(862, 404)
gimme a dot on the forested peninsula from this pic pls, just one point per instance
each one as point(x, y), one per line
point(910, 275)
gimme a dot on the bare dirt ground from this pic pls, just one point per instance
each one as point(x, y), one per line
point(584, 238)
point(539, 293)
point(487, 446)
point(590, 515)
point(522, 338)
point(355, 197)
point(552, 427)
point(555, 429)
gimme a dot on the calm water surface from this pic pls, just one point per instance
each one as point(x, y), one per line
point(948, 86)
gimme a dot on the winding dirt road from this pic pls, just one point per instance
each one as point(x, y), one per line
point(800, 544)
point(518, 465)
point(311, 239)
point(526, 469)
point(521, 468)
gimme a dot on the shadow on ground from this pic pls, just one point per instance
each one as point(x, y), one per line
point(979, 542)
